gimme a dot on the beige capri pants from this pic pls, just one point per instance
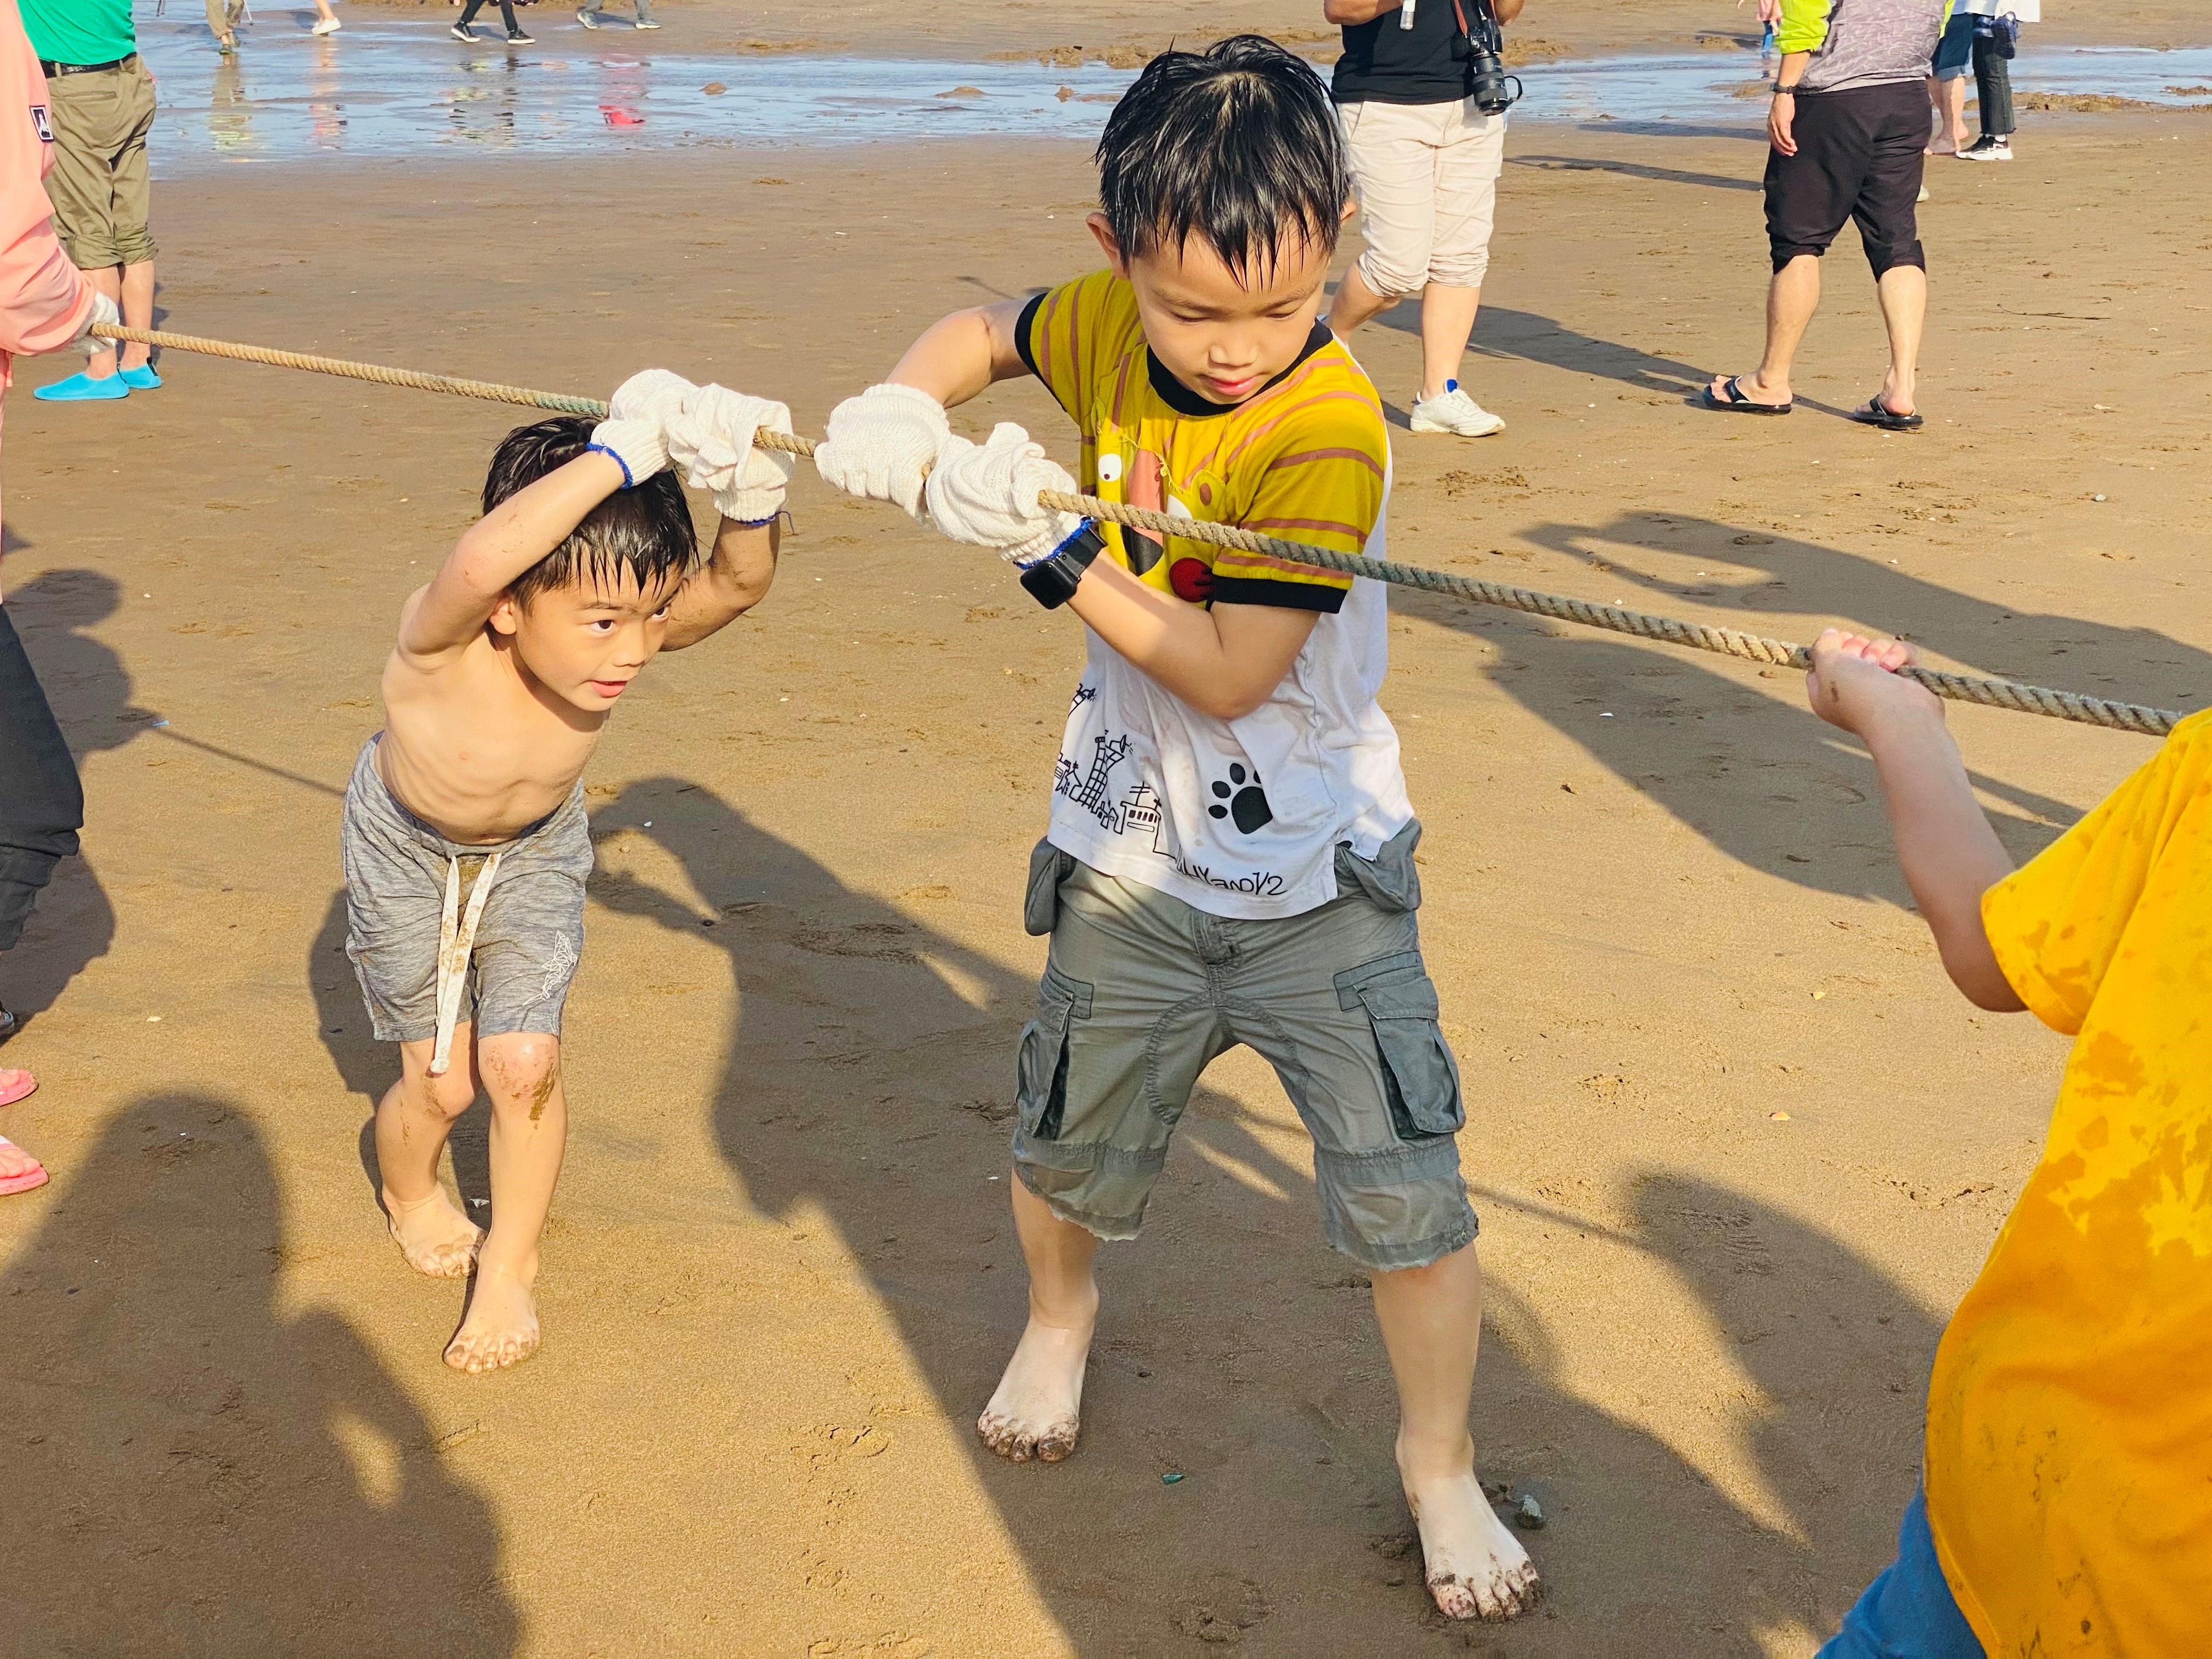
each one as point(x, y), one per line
point(1427, 178)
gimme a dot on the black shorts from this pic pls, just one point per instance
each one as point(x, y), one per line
point(40, 804)
point(1860, 156)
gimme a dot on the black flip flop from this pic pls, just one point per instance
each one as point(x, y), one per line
point(1874, 412)
point(1736, 404)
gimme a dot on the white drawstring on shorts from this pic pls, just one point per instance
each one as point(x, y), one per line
point(457, 942)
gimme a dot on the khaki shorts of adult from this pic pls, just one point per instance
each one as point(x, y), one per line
point(1427, 178)
point(98, 184)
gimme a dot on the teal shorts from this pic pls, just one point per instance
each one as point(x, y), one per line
point(1141, 992)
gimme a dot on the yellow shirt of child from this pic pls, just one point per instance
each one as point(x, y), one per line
point(2069, 1418)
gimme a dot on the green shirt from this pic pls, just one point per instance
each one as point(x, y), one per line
point(79, 30)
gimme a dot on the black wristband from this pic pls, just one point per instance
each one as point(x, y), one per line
point(1053, 582)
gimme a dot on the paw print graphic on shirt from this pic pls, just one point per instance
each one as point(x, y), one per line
point(1241, 801)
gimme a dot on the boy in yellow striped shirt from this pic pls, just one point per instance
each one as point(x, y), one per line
point(1230, 858)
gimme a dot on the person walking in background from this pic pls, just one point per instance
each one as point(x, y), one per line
point(1846, 134)
point(1983, 33)
point(100, 106)
point(589, 16)
point(515, 37)
point(1425, 162)
point(1769, 16)
point(45, 303)
point(326, 21)
point(223, 18)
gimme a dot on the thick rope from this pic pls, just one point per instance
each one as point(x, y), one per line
point(1726, 642)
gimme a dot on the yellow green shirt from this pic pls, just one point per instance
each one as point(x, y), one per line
point(2069, 1417)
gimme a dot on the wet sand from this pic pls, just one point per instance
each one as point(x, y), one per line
point(780, 1278)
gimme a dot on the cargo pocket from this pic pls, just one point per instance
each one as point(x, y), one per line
point(1041, 1083)
point(1420, 1076)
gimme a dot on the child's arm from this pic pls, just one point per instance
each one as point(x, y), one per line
point(452, 612)
point(731, 583)
point(1949, 854)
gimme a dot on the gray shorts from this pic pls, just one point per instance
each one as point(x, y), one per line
point(528, 938)
point(1141, 992)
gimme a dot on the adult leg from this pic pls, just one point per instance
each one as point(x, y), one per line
point(1466, 166)
point(1950, 100)
point(108, 280)
point(1809, 196)
point(413, 1120)
point(132, 200)
point(645, 13)
point(521, 1073)
point(137, 300)
point(41, 808)
point(1888, 221)
point(1036, 1410)
point(1392, 149)
point(90, 125)
point(1993, 89)
point(1431, 1322)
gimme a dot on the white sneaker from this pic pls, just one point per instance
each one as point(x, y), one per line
point(1452, 410)
point(328, 26)
point(647, 23)
point(1988, 150)
point(590, 20)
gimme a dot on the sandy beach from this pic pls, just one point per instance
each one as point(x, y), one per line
point(1736, 1146)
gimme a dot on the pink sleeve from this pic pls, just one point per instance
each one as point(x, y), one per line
point(43, 298)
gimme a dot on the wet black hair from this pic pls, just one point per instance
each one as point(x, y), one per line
point(647, 530)
point(1237, 144)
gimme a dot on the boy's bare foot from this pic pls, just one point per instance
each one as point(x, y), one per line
point(1037, 1410)
point(436, 1238)
point(1476, 1568)
point(501, 1327)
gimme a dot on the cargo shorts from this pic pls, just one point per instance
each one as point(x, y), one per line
point(98, 185)
point(1141, 991)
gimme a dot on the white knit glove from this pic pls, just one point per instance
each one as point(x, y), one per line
point(638, 448)
point(651, 394)
point(103, 311)
point(710, 438)
point(881, 443)
point(986, 495)
point(632, 432)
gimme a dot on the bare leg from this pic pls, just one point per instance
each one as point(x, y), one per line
point(1038, 1406)
point(1791, 298)
point(1949, 98)
point(1904, 293)
point(1432, 1320)
point(136, 301)
point(1446, 323)
point(99, 365)
point(412, 1123)
point(521, 1073)
point(1354, 304)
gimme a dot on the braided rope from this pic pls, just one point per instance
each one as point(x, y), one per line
point(1725, 641)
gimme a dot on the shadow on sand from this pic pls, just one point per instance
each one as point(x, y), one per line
point(869, 1073)
point(192, 1468)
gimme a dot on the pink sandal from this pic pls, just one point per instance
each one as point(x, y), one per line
point(16, 1086)
point(25, 1181)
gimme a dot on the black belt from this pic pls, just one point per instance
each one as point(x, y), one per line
point(52, 69)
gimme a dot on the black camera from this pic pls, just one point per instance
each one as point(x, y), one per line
point(1487, 82)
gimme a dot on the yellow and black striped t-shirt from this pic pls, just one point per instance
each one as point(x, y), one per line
point(1304, 458)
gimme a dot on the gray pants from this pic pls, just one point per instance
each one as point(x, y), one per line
point(1141, 991)
point(644, 9)
point(528, 938)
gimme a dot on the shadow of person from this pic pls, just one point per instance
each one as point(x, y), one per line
point(1502, 332)
point(193, 1470)
point(868, 1079)
point(1753, 773)
point(1632, 170)
point(85, 681)
point(1840, 1354)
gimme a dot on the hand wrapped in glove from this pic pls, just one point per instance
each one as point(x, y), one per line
point(103, 311)
point(986, 495)
point(710, 438)
point(637, 415)
point(883, 443)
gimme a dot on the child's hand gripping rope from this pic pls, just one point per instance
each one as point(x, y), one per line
point(634, 430)
point(883, 443)
point(986, 495)
point(711, 437)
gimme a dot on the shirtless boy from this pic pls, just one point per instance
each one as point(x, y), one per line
point(465, 839)
point(1231, 851)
